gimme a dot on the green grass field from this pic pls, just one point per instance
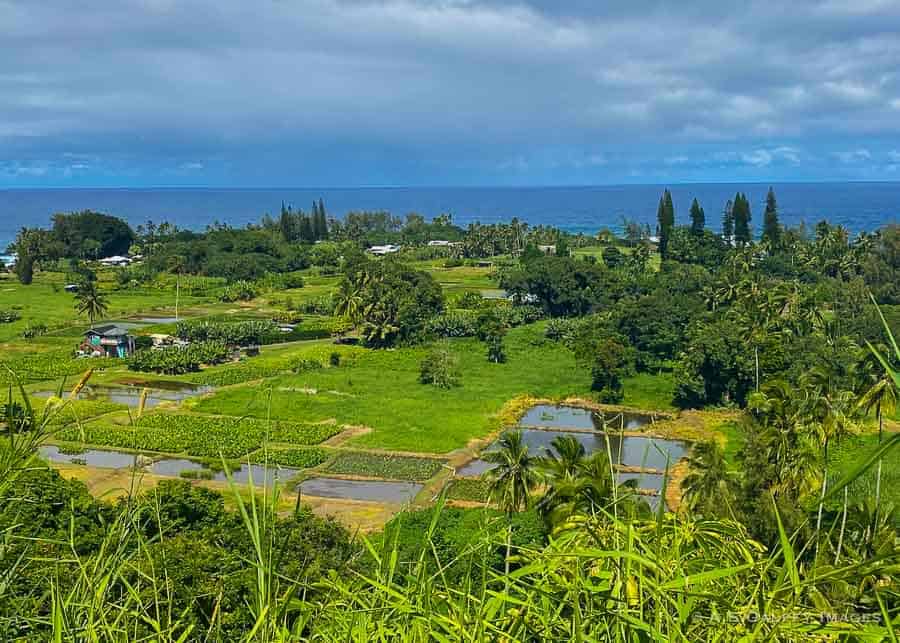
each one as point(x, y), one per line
point(381, 390)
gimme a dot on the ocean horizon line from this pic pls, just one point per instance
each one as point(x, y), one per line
point(561, 186)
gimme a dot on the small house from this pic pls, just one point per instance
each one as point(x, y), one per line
point(115, 260)
point(108, 340)
point(384, 250)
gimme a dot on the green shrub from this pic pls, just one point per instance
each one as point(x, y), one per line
point(440, 368)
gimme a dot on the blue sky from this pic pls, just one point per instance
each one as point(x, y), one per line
point(465, 92)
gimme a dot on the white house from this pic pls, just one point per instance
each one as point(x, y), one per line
point(115, 260)
point(384, 250)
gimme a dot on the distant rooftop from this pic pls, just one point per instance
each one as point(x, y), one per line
point(107, 330)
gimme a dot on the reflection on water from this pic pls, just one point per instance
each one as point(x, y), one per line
point(89, 457)
point(653, 481)
point(131, 395)
point(372, 490)
point(262, 475)
point(634, 451)
point(570, 417)
point(474, 468)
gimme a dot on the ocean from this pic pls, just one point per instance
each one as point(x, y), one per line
point(858, 206)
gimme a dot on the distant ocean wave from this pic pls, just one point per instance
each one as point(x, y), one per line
point(858, 206)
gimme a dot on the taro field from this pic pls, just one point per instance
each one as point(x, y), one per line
point(197, 435)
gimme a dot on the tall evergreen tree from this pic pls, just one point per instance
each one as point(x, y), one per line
point(306, 230)
point(698, 218)
point(287, 224)
point(728, 221)
point(771, 227)
point(666, 217)
point(323, 220)
point(742, 216)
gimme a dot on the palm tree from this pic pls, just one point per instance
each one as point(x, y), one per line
point(515, 475)
point(559, 467)
point(883, 394)
point(176, 267)
point(349, 301)
point(90, 301)
point(709, 485)
point(512, 480)
point(828, 415)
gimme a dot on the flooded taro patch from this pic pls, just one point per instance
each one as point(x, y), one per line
point(366, 490)
point(130, 395)
point(474, 468)
point(629, 450)
point(552, 416)
point(240, 474)
point(651, 481)
point(89, 457)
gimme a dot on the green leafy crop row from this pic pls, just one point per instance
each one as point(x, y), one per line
point(301, 458)
point(36, 367)
point(198, 435)
point(385, 466)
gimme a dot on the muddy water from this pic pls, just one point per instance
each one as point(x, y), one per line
point(371, 490)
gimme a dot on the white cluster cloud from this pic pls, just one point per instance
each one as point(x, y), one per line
point(455, 84)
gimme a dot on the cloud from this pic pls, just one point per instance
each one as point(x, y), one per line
point(406, 91)
point(859, 155)
point(765, 157)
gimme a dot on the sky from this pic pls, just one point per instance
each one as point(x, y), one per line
point(137, 93)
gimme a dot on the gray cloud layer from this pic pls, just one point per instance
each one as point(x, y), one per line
point(469, 90)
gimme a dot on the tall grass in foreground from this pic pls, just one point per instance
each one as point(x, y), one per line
point(601, 577)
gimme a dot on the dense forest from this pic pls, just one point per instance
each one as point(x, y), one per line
point(791, 331)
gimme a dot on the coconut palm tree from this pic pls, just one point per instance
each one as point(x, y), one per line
point(829, 416)
point(515, 475)
point(512, 480)
point(882, 398)
point(709, 487)
point(90, 301)
point(563, 458)
point(558, 468)
point(348, 300)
